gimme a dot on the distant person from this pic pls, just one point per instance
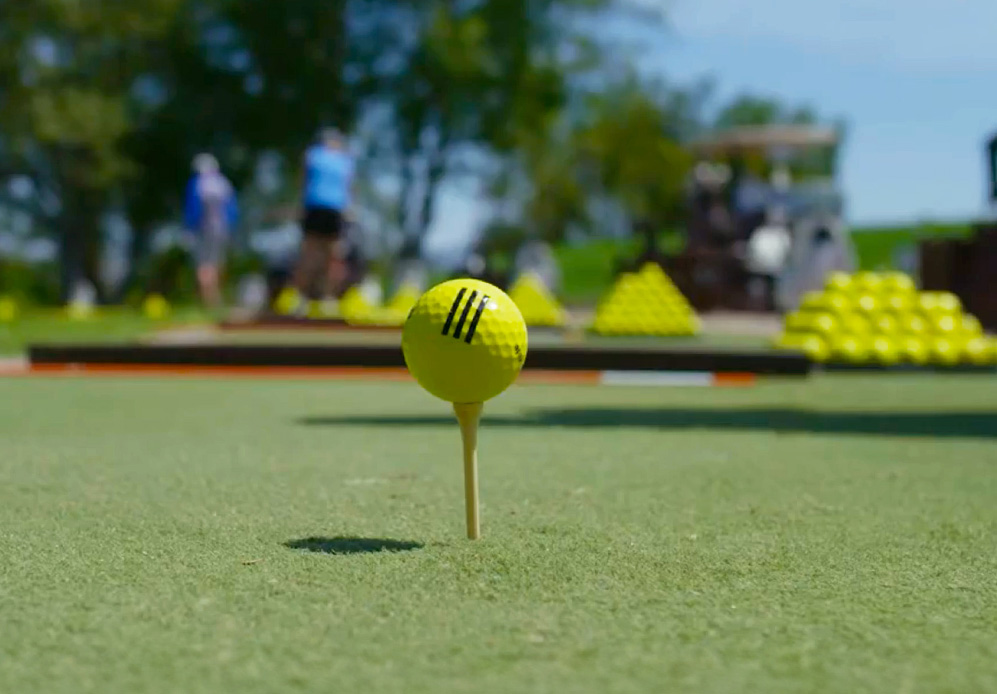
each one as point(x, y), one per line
point(329, 172)
point(710, 220)
point(210, 213)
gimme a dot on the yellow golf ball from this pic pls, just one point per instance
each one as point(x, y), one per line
point(155, 307)
point(869, 282)
point(839, 281)
point(855, 323)
point(934, 303)
point(823, 324)
point(885, 351)
point(947, 301)
point(944, 351)
point(867, 303)
point(913, 324)
point(914, 350)
point(946, 324)
point(815, 348)
point(886, 324)
point(813, 301)
point(850, 349)
point(464, 341)
point(898, 282)
point(978, 352)
point(8, 309)
point(901, 304)
point(971, 326)
point(837, 302)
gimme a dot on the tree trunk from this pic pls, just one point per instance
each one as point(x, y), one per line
point(80, 239)
point(410, 240)
point(136, 256)
point(433, 178)
point(415, 232)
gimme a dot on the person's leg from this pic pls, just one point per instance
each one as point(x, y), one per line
point(208, 274)
point(309, 259)
point(337, 270)
point(207, 279)
point(334, 256)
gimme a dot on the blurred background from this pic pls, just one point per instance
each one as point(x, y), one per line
point(749, 149)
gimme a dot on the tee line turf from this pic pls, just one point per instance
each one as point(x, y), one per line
point(830, 535)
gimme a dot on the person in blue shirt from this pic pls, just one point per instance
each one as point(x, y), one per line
point(210, 213)
point(328, 184)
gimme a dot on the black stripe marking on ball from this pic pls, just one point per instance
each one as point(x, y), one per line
point(453, 310)
point(477, 316)
point(463, 316)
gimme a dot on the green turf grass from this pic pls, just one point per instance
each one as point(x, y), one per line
point(111, 324)
point(836, 535)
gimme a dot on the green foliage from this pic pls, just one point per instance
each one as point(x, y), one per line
point(750, 110)
point(31, 284)
point(52, 326)
point(616, 148)
point(638, 162)
point(876, 247)
point(588, 269)
point(489, 75)
point(172, 274)
point(67, 105)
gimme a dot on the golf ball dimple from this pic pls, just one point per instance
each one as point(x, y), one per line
point(464, 341)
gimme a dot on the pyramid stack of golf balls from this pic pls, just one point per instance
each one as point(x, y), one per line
point(645, 303)
point(881, 319)
point(536, 302)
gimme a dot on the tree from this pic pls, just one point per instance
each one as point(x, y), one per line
point(108, 101)
point(473, 80)
point(68, 71)
point(615, 154)
point(749, 110)
point(243, 79)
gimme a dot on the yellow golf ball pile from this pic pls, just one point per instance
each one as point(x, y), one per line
point(881, 318)
point(79, 311)
point(536, 302)
point(404, 298)
point(354, 307)
point(645, 303)
point(287, 301)
point(9, 309)
point(155, 307)
point(358, 310)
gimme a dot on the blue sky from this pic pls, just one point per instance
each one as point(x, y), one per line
point(916, 80)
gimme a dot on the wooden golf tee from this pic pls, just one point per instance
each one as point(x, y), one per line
point(468, 416)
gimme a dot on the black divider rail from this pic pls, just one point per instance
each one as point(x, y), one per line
point(538, 358)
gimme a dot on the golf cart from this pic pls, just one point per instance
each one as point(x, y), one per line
point(756, 239)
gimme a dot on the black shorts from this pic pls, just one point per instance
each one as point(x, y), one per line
point(323, 221)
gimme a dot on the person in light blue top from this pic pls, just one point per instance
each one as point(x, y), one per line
point(328, 187)
point(328, 177)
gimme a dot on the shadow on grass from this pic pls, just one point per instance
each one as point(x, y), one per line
point(954, 424)
point(351, 545)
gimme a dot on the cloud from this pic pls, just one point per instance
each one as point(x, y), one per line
point(924, 36)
